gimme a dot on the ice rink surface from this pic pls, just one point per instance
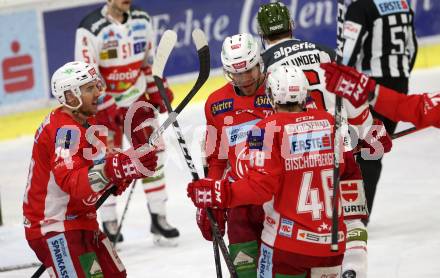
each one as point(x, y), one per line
point(404, 231)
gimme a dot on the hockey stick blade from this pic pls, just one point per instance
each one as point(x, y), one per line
point(164, 49)
point(201, 43)
point(204, 70)
point(405, 132)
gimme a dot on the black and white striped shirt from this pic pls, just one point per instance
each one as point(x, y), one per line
point(379, 37)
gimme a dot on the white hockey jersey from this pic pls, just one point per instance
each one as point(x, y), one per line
point(119, 50)
point(308, 56)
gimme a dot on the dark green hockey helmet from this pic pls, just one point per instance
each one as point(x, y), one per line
point(273, 18)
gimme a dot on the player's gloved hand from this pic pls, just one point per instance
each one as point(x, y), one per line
point(121, 186)
point(376, 142)
point(205, 225)
point(121, 166)
point(207, 193)
point(109, 114)
point(348, 83)
point(153, 95)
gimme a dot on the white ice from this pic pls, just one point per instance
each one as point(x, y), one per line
point(404, 231)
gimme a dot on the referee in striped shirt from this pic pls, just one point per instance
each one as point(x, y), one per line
point(380, 40)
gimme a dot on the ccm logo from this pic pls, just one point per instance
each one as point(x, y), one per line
point(218, 192)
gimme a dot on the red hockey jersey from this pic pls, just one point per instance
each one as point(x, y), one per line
point(229, 117)
point(422, 110)
point(58, 195)
point(291, 162)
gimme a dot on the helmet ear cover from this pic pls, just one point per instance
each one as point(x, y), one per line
point(274, 18)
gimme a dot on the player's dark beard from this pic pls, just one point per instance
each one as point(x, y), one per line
point(81, 112)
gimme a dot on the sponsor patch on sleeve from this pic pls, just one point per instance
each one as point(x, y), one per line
point(351, 30)
point(386, 7)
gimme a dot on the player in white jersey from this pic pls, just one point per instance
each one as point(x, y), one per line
point(119, 40)
point(275, 27)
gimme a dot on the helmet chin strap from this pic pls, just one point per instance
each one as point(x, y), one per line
point(74, 107)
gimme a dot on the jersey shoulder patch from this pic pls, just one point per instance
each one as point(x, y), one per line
point(222, 106)
point(94, 22)
point(385, 7)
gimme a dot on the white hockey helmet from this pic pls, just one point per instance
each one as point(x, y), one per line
point(69, 78)
point(287, 84)
point(240, 53)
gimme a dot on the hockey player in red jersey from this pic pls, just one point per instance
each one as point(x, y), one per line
point(69, 171)
point(422, 110)
point(231, 112)
point(282, 48)
point(290, 166)
point(119, 40)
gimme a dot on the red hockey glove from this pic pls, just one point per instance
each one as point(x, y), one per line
point(120, 167)
point(376, 143)
point(153, 95)
point(142, 117)
point(121, 186)
point(205, 225)
point(348, 83)
point(207, 193)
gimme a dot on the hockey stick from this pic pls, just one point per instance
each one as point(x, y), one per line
point(204, 63)
point(338, 120)
point(118, 232)
point(18, 267)
point(164, 49)
point(405, 132)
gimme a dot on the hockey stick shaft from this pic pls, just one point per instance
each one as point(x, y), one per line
point(405, 132)
point(217, 238)
point(338, 120)
point(18, 267)
point(164, 50)
point(118, 232)
point(218, 266)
